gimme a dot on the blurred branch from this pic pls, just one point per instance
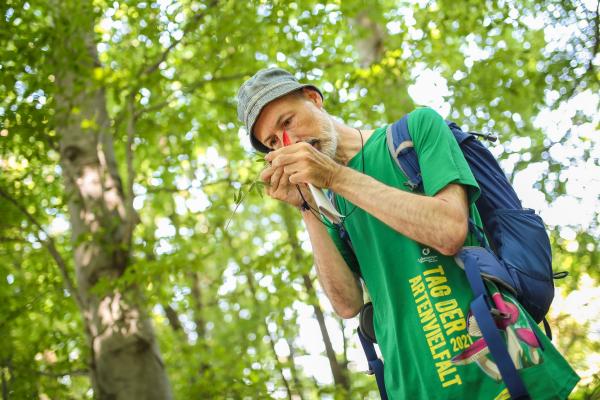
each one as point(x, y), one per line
point(589, 70)
point(6, 372)
point(77, 372)
point(20, 310)
point(132, 219)
point(590, 67)
point(191, 25)
point(173, 318)
point(272, 340)
point(337, 369)
point(189, 90)
point(294, 370)
point(345, 343)
point(196, 294)
point(49, 244)
point(173, 189)
point(12, 239)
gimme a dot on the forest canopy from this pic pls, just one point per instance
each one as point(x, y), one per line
point(122, 161)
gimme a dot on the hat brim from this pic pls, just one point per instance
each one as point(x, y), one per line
point(274, 94)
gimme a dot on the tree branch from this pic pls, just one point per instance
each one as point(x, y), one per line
point(20, 310)
point(293, 370)
point(131, 215)
point(77, 372)
point(50, 246)
point(173, 189)
point(173, 318)
point(12, 239)
point(191, 25)
point(590, 67)
point(189, 90)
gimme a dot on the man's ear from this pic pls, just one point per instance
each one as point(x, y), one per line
point(313, 96)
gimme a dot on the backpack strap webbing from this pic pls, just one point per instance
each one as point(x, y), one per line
point(403, 152)
point(375, 364)
point(481, 309)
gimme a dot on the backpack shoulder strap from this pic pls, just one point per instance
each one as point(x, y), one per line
point(366, 334)
point(341, 228)
point(403, 152)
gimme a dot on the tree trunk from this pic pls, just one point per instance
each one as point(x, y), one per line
point(370, 45)
point(297, 384)
point(271, 338)
point(125, 360)
point(5, 388)
point(340, 377)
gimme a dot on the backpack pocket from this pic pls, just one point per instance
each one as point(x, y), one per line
point(522, 245)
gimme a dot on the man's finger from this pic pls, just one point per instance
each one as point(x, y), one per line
point(284, 185)
point(290, 169)
point(297, 178)
point(285, 159)
point(291, 149)
point(276, 179)
point(266, 174)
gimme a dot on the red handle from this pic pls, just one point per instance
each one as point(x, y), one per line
point(286, 139)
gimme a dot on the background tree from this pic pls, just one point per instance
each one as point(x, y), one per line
point(121, 164)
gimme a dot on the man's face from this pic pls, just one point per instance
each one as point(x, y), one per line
point(302, 116)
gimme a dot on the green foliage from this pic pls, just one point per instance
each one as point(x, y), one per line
point(170, 72)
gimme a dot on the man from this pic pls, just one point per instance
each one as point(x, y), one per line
point(402, 243)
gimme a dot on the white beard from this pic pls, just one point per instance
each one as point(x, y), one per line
point(329, 142)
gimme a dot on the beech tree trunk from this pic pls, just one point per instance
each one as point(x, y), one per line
point(125, 360)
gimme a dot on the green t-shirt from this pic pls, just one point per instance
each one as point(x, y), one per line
point(421, 297)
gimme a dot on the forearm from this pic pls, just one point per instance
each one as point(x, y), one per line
point(431, 221)
point(337, 280)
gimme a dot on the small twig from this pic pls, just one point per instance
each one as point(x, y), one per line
point(240, 201)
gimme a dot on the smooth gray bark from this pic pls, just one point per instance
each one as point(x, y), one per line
point(125, 359)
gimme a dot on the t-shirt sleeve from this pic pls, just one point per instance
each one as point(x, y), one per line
point(440, 158)
point(345, 250)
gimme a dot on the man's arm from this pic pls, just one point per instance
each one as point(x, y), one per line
point(340, 284)
point(440, 221)
point(337, 279)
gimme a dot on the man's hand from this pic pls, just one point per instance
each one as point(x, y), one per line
point(278, 186)
point(302, 163)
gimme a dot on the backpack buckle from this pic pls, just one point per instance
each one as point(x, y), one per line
point(411, 185)
point(497, 314)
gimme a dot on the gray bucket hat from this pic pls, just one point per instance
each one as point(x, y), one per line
point(254, 94)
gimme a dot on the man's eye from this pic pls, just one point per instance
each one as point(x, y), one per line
point(272, 142)
point(287, 122)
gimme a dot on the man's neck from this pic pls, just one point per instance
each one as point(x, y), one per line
point(349, 141)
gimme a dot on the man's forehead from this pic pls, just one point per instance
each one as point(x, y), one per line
point(268, 116)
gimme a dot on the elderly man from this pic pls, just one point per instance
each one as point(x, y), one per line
point(402, 244)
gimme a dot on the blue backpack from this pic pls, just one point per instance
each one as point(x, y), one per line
point(516, 255)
